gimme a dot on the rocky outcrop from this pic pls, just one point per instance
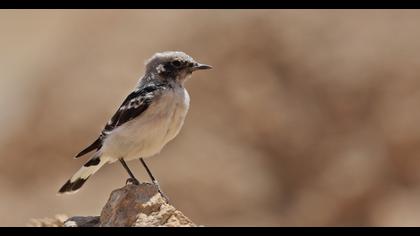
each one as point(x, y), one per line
point(130, 206)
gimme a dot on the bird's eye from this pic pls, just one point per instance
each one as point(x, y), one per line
point(176, 63)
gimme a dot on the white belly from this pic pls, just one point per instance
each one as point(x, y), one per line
point(147, 134)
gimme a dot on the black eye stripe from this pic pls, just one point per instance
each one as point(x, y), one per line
point(176, 63)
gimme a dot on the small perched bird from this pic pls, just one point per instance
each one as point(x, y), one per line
point(151, 116)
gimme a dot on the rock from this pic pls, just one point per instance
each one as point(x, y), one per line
point(126, 203)
point(132, 205)
point(140, 205)
point(82, 221)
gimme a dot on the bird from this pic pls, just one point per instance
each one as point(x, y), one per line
point(149, 117)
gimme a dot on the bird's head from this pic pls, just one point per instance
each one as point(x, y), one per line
point(173, 65)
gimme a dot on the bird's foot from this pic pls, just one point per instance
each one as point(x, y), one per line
point(156, 183)
point(132, 181)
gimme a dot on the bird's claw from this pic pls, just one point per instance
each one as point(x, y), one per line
point(156, 183)
point(132, 181)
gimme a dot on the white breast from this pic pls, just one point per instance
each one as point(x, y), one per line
point(146, 135)
point(179, 111)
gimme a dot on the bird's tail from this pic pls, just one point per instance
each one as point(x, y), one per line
point(77, 180)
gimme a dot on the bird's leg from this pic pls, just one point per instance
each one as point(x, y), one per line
point(132, 179)
point(155, 182)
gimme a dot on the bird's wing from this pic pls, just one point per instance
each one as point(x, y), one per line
point(134, 105)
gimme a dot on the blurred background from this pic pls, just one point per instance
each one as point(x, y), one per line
point(309, 117)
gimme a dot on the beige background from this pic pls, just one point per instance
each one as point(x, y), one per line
point(309, 117)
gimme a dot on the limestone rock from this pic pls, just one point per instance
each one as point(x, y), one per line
point(82, 221)
point(140, 205)
point(131, 206)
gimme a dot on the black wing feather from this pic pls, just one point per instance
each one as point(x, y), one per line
point(95, 145)
point(134, 105)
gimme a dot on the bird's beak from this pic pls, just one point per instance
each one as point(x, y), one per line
point(199, 66)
